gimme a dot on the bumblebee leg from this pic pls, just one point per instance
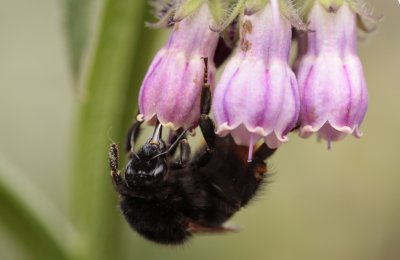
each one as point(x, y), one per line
point(255, 173)
point(258, 165)
point(116, 178)
point(184, 154)
point(173, 136)
point(184, 149)
point(263, 152)
point(208, 130)
point(131, 136)
point(206, 124)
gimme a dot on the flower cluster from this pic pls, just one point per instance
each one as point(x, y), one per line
point(258, 96)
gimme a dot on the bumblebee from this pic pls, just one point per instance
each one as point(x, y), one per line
point(167, 200)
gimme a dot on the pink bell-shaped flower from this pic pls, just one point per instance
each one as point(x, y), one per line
point(257, 95)
point(333, 92)
point(171, 88)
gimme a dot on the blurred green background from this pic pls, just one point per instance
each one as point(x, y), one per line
point(338, 204)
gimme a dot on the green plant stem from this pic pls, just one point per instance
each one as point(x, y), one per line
point(30, 218)
point(103, 114)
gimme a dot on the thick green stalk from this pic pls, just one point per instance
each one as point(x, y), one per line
point(40, 229)
point(108, 103)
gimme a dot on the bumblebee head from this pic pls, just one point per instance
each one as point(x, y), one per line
point(148, 168)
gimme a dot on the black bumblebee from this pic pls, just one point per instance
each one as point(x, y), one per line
point(166, 200)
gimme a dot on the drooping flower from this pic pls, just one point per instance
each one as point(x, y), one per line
point(171, 88)
point(257, 95)
point(332, 86)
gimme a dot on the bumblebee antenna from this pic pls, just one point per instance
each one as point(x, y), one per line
point(133, 133)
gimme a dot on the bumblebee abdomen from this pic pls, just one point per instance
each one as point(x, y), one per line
point(154, 221)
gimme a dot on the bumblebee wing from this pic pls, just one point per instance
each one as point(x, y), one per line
point(217, 191)
point(195, 227)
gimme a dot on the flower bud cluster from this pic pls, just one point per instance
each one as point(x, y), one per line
point(258, 96)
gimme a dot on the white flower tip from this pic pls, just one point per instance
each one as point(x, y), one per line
point(223, 129)
point(343, 129)
point(329, 132)
point(170, 124)
point(152, 119)
point(244, 135)
point(274, 140)
point(357, 133)
point(306, 131)
point(140, 117)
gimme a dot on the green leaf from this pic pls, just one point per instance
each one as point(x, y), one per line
point(109, 103)
point(77, 20)
point(30, 218)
